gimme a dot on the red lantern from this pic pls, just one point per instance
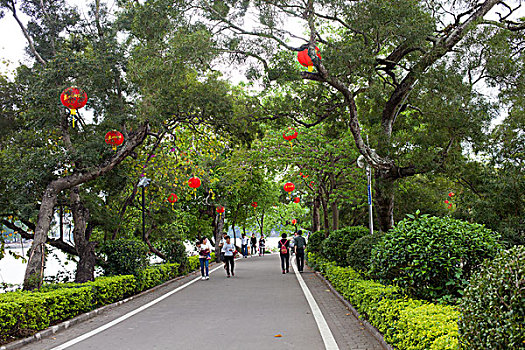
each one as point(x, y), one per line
point(289, 187)
point(450, 206)
point(291, 136)
point(254, 205)
point(296, 200)
point(446, 202)
point(305, 60)
point(114, 138)
point(451, 194)
point(194, 182)
point(73, 98)
point(172, 198)
point(220, 209)
point(294, 222)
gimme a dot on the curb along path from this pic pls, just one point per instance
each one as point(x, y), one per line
point(247, 311)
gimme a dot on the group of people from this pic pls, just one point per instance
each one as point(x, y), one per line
point(253, 245)
point(228, 251)
point(287, 247)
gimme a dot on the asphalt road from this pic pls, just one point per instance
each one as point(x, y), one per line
point(247, 311)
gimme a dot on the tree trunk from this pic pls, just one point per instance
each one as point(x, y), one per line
point(384, 199)
point(85, 249)
point(325, 214)
point(218, 229)
point(35, 265)
point(335, 215)
point(316, 217)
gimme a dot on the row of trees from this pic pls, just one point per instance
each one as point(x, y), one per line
point(403, 84)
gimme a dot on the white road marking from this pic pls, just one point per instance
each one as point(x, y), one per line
point(326, 333)
point(128, 315)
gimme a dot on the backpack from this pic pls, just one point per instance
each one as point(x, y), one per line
point(284, 250)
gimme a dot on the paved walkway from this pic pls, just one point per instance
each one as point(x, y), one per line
point(244, 312)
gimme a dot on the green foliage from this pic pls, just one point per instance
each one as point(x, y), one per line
point(22, 313)
point(493, 308)
point(125, 256)
point(155, 275)
point(431, 257)
point(358, 256)
point(336, 246)
point(315, 241)
point(405, 323)
point(175, 252)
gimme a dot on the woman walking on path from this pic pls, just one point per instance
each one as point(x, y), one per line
point(284, 252)
point(229, 252)
point(262, 245)
point(253, 244)
point(204, 249)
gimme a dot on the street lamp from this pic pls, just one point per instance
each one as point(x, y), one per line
point(143, 182)
point(361, 162)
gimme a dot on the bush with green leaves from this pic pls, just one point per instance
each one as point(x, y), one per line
point(315, 240)
point(493, 307)
point(358, 256)
point(175, 252)
point(432, 257)
point(406, 324)
point(336, 246)
point(125, 256)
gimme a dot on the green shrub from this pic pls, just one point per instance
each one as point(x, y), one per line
point(493, 308)
point(315, 241)
point(155, 275)
point(22, 313)
point(336, 246)
point(431, 257)
point(175, 252)
point(125, 256)
point(405, 323)
point(358, 255)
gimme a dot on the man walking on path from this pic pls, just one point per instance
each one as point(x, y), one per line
point(229, 251)
point(284, 252)
point(262, 243)
point(244, 246)
point(253, 244)
point(300, 244)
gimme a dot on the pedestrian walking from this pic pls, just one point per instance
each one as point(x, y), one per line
point(253, 244)
point(300, 245)
point(204, 249)
point(244, 246)
point(229, 251)
point(284, 252)
point(262, 246)
point(221, 244)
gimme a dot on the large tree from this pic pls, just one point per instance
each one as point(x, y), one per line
point(396, 70)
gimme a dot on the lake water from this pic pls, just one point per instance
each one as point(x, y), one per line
point(12, 270)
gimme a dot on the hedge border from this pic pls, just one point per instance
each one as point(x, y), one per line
point(19, 344)
point(373, 330)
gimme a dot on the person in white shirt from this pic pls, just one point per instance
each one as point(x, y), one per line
point(204, 249)
point(245, 241)
point(229, 256)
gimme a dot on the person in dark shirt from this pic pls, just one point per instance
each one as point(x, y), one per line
point(284, 252)
point(300, 245)
point(253, 244)
point(262, 244)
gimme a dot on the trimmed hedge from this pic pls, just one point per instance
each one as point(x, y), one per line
point(405, 323)
point(336, 246)
point(23, 313)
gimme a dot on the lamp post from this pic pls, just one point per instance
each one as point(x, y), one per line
point(143, 182)
point(363, 164)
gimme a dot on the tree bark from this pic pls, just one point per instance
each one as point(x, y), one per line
point(218, 229)
point(85, 249)
point(35, 265)
point(335, 215)
point(384, 199)
point(316, 218)
point(326, 223)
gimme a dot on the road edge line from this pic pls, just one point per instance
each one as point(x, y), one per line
point(127, 315)
point(322, 325)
